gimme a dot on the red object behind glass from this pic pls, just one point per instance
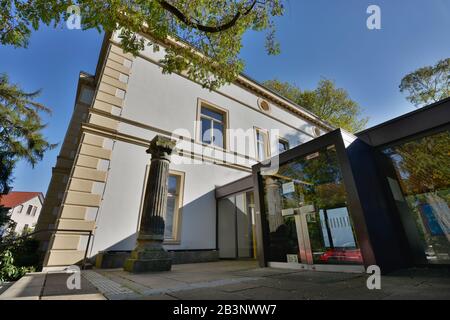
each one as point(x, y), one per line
point(342, 254)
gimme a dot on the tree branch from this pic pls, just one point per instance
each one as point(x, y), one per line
point(208, 29)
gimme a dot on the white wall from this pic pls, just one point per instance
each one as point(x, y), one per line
point(169, 102)
point(117, 221)
point(22, 218)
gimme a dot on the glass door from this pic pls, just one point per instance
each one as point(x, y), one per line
point(235, 227)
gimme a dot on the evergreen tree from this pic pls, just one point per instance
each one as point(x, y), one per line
point(20, 130)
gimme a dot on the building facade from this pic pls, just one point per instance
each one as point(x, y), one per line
point(24, 209)
point(252, 176)
point(98, 183)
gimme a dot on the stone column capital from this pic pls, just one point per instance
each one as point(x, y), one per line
point(161, 147)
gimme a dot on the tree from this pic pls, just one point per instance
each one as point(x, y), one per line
point(329, 103)
point(214, 28)
point(428, 84)
point(5, 222)
point(20, 130)
point(423, 165)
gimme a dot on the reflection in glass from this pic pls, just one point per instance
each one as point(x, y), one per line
point(206, 131)
point(261, 144)
point(212, 127)
point(283, 145)
point(168, 226)
point(307, 214)
point(235, 226)
point(423, 170)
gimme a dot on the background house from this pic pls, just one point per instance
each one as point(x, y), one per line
point(24, 208)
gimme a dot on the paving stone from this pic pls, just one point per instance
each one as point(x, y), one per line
point(355, 293)
point(4, 286)
point(267, 293)
point(56, 285)
point(207, 294)
point(320, 277)
point(154, 282)
point(236, 287)
point(109, 288)
point(134, 286)
point(94, 296)
point(158, 297)
point(266, 272)
point(35, 280)
point(13, 293)
point(283, 284)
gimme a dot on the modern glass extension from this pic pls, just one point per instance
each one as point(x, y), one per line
point(423, 170)
point(343, 202)
point(305, 206)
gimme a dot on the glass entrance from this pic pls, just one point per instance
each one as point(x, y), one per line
point(307, 214)
point(235, 226)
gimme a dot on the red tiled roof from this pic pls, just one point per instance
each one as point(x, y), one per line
point(15, 198)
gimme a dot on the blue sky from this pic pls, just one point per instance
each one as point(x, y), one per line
point(319, 38)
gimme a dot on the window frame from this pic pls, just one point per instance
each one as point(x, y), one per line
point(285, 141)
point(214, 108)
point(266, 144)
point(176, 224)
point(20, 208)
point(29, 209)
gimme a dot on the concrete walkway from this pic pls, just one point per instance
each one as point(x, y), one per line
point(232, 280)
point(242, 280)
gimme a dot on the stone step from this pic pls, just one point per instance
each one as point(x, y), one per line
point(29, 287)
point(50, 285)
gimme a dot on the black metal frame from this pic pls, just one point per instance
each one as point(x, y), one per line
point(423, 121)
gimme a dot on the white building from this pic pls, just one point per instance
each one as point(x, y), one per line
point(24, 209)
point(98, 183)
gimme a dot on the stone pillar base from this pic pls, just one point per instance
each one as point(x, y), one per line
point(148, 259)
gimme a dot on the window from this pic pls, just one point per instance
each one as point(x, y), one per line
point(20, 209)
point(33, 213)
point(423, 185)
point(262, 145)
point(283, 145)
point(174, 204)
point(213, 126)
point(30, 207)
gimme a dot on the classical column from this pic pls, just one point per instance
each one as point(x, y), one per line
point(149, 254)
